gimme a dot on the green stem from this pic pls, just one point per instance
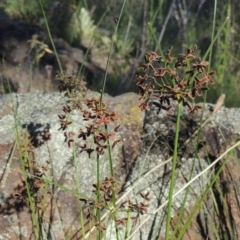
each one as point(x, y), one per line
point(50, 37)
point(81, 217)
point(174, 163)
point(98, 213)
point(204, 196)
point(110, 53)
point(113, 193)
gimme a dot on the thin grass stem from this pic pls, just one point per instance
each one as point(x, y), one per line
point(173, 172)
point(185, 186)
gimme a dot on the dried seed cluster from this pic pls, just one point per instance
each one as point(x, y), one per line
point(95, 137)
point(107, 189)
point(94, 113)
point(180, 79)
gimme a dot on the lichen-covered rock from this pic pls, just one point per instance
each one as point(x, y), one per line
point(152, 173)
point(142, 161)
point(37, 114)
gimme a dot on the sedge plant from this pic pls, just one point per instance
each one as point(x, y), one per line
point(163, 81)
point(180, 80)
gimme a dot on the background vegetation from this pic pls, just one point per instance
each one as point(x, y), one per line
point(144, 26)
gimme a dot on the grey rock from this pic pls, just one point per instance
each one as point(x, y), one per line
point(152, 172)
point(139, 163)
point(67, 170)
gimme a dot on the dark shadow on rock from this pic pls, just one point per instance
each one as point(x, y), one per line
point(38, 133)
point(16, 202)
point(8, 85)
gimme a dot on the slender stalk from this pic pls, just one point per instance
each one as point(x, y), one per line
point(113, 193)
point(200, 201)
point(109, 147)
point(127, 227)
point(181, 212)
point(50, 37)
point(78, 190)
point(98, 213)
point(213, 30)
point(23, 161)
point(174, 163)
point(110, 52)
point(183, 188)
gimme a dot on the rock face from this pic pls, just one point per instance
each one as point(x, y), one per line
point(147, 143)
point(37, 116)
point(139, 152)
point(57, 176)
point(152, 172)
